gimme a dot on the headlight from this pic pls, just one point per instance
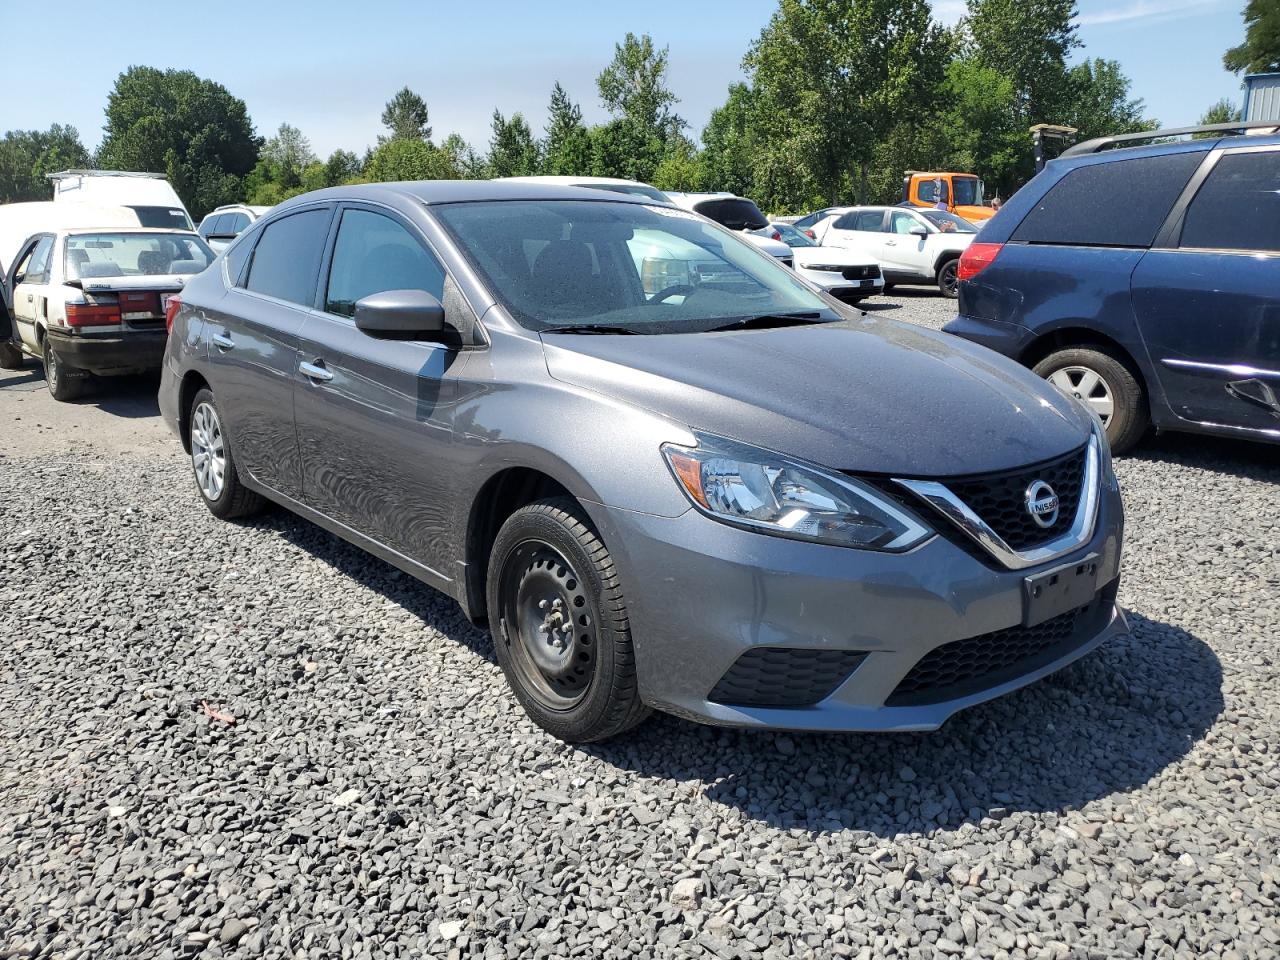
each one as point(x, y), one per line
point(763, 491)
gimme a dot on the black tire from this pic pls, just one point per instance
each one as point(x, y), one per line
point(64, 381)
point(948, 282)
point(1129, 419)
point(232, 498)
point(10, 357)
point(549, 550)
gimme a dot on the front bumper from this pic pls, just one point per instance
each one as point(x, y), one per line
point(133, 352)
point(840, 288)
point(701, 594)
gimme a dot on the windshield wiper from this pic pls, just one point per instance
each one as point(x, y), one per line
point(771, 320)
point(589, 328)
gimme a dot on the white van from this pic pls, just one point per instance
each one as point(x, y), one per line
point(18, 221)
point(150, 194)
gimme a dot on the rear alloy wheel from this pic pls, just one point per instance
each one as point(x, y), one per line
point(560, 626)
point(64, 382)
point(214, 468)
point(1105, 385)
point(948, 281)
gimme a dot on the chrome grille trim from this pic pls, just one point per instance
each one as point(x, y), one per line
point(940, 497)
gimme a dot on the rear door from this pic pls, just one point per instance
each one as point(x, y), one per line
point(253, 345)
point(374, 415)
point(860, 230)
point(1207, 295)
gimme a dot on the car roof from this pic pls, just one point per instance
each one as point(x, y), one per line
point(1112, 154)
point(570, 181)
point(457, 191)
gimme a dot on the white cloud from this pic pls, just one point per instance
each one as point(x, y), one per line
point(1134, 10)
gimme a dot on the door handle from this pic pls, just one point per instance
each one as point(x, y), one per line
point(315, 371)
point(891, 243)
point(222, 341)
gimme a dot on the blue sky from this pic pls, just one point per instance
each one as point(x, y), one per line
point(328, 68)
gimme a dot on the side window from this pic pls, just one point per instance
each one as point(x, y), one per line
point(902, 223)
point(235, 222)
point(374, 253)
point(870, 221)
point(1117, 203)
point(1238, 206)
point(207, 224)
point(286, 258)
point(37, 268)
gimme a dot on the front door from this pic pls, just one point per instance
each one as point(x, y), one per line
point(1207, 298)
point(859, 230)
point(253, 346)
point(374, 415)
point(31, 288)
point(902, 253)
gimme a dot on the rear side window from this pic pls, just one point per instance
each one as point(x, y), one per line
point(1117, 204)
point(234, 223)
point(172, 217)
point(287, 257)
point(374, 254)
point(1238, 207)
point(868, 221)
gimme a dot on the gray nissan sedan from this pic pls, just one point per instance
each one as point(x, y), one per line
point(666, 473)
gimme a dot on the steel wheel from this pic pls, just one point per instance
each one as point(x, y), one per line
point(52, 375)
point(1088, 387)
point(208, 451)
point(550, 626)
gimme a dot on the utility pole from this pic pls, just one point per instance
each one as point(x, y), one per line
point(1047, 131)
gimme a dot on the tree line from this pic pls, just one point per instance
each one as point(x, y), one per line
point(840, 98)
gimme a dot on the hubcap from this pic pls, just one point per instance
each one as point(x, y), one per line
point(550, 627)
point(208, 455)
point(1088, 387)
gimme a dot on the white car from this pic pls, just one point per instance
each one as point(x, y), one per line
point(223, 224)
point(740, 215)
point(847, 275)
point(912, 245)
point(149, 194)
point(92, 300)
point(632, 188)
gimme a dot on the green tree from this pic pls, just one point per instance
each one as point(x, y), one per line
point(566, 147)
point(1260, 52)
point(409, 160)
point(1099, 104)
point(278, 174)
point(1224, 111)
point(981, 127)
point(407, 117)
point(1029, 42)
point(468, 164)
point(832, 78)
point(680, 168)
point(342, 165)
point(730, 143)
point(26, 156)
point(512, 152)
point(634, 87)
point(191, 129)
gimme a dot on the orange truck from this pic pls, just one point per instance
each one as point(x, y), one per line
point(961, 193)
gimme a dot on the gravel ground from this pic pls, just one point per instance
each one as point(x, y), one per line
point(253, 740)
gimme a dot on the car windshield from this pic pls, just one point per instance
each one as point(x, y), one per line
point(90, 255)
point(733, 212)
point(948, 222)
point(793, 237)
point(968, 190)
point(630, 189)
point(629, 267)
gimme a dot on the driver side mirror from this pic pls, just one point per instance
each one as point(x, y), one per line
point(918, 231)
point(400, 315)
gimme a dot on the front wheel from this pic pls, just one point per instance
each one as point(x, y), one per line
point(64, 381)
point(1106, 386)
point(214, 466)
point(560, 628)
point(948, 280)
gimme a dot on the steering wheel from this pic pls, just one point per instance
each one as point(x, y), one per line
point(679, 290)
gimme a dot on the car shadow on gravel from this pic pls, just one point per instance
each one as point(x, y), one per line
point(1105, 725)
point(1236, 458)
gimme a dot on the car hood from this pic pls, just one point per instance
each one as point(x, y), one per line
point(833, 256)
point(868, 395)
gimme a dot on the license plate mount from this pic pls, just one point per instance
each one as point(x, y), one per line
point(1054, 592)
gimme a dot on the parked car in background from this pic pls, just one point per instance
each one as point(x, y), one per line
point(150, 194)
point(223, 224)
point(740, 215)
point(912, 246)
point(18, 221)
point(1143, 280)
point(845, 274)
point(92, 300)
point(726, 499)
point(633, 188)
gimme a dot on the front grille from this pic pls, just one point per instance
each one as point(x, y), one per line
point(964, 666)
point(862, 273)
point(1000, 499)
point(784, 677)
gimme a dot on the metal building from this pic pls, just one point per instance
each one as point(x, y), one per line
point(1262, 96)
